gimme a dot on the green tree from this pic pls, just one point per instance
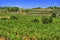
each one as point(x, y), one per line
point(13, 9)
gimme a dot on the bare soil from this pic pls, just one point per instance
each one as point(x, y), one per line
point(3, 38)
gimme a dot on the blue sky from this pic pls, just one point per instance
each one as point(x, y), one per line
point(30, 3)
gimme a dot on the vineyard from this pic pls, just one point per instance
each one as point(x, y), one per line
point(29, 24)
point(23, 27)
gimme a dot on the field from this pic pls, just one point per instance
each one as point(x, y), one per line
point(21, 25)
point(24, 29)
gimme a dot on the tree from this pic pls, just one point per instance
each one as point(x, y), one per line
point(54, 7)
point(15, 9)
point(37, 8)
point(50, 7)
point(12, 9)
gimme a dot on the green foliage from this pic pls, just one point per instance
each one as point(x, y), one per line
point(10, 9)
point(13, 17)
point(59, 15)
point(50, 19)
point(46, 20)
point(26, 11)
point(54, 7)
point(35, 20)
point(13, 9)
point(54, 15)
point(19, 29)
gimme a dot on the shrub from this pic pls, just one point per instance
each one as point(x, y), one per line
point(50, 19)
point(26, 11)
point(35, 20)
point(13, 17)
point(45, 20)
point(53, 14)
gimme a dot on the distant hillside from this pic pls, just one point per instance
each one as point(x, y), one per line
point(43, 10)
point(37, 10)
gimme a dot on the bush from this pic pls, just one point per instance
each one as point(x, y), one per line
point(13, 17)
point(50, 19)
point(53, 14)
point(26, 11)
point(46, 20)
point(35, 20)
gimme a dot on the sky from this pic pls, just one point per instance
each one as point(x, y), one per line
point(30, 3)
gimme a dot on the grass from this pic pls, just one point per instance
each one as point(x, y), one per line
point(24, 29)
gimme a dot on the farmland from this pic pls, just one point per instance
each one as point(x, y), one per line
point(23, 28)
